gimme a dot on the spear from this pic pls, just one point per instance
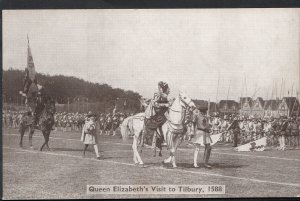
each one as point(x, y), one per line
point(265, 103)
point(293, 107)
point(275, 90)
point(227, 96)
point(281, 88)
point(217, 92)
point(246, 85)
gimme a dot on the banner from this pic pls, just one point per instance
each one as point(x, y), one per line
point(214, 138)
point(258, 145)
point(30, 64)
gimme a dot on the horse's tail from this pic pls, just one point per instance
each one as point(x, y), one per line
point(125, 130)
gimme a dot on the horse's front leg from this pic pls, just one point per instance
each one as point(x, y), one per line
point(44, 134)
point(154, 143)
point(31, 131)
point(176, 143)
point(136, 156)
point(22, 132)
point(46, 137)
point(167, 134)
point(160, 154)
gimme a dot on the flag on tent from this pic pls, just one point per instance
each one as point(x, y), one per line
point(257, 145)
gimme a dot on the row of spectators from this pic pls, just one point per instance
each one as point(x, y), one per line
point(248, 129)
point(67, 122)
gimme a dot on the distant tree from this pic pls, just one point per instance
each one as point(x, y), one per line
point(63, 88)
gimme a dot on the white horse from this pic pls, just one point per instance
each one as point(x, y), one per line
point(173, 128)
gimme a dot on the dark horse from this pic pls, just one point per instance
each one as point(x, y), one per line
point(46, 122)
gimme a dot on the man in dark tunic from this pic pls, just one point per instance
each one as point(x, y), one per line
point(154, 114)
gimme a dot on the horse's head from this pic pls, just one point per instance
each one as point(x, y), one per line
point(186, 101)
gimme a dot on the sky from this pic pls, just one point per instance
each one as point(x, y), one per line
point(210, 54)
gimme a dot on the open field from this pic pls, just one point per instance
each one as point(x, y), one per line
point(64, 173)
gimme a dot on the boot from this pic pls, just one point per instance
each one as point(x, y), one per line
point(196, 157)
point(84, 150)
point(206, 156)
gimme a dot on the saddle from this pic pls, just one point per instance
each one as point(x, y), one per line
point(152, 126)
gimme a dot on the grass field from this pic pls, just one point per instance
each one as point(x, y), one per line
point(62, 172)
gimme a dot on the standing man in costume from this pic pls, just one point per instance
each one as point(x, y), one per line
point(41, 98)
point(283, 126)
point(89, 134)
point(201, 136)
point(236, 131)
point(154, 114)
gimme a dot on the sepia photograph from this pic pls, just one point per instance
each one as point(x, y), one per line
point(150, 103)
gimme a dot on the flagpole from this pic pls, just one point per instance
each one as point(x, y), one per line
point(246, 85)
point(208, 109)
point(276, 90)
point(272, 94)
point(265, 103)
point(68, 105)
point(281, 88)
point(217, 92)
point(27, 39)
point(227, 96)
point(87, 105)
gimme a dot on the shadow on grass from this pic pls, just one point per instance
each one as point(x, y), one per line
point(190, 165)
point(70, 149)
point(109, 157)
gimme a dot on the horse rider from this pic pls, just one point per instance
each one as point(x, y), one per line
point(154, 114)
point(201, 135)
point(27, 83)
point(40, 104)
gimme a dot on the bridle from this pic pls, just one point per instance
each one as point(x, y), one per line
point(186, 105)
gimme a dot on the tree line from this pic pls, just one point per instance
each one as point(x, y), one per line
point(69, 90)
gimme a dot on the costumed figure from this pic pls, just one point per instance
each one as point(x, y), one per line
point(154, 115)
point(89, 134)
point(283, 125)
point(201, 136)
